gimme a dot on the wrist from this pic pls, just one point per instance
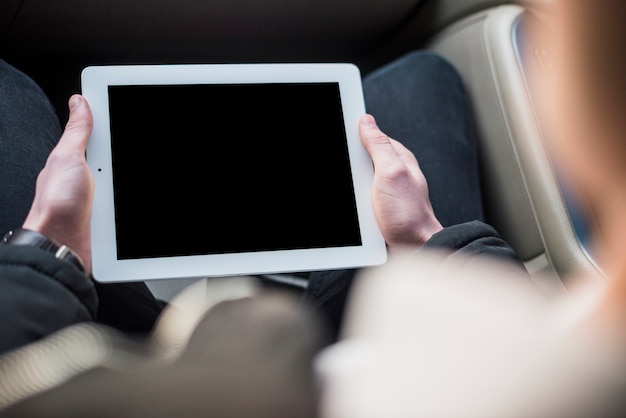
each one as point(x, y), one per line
point(412, 239)
point(63, 233)
point(30, 238)
point(426, 231)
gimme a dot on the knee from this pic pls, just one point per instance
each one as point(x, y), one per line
point(12, 77)
point(17, 87)
point(431, 65)
point(423, 70)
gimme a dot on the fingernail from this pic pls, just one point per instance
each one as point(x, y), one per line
point(368, 121)
point(75, 101)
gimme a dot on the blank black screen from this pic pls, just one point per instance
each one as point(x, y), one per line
point(212, 169)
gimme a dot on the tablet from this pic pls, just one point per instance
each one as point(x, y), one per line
point(214, 170)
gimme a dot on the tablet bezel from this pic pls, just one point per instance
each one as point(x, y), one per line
point(107, 268)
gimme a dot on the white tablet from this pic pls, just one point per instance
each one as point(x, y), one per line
point(213, 170)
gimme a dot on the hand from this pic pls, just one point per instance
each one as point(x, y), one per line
point(63, 200)
point(400, 195)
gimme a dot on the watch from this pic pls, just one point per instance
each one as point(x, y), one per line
point(27, 237)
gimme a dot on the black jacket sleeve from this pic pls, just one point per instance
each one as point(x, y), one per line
point(469, 239)
point(327, 291)
point(39, 295)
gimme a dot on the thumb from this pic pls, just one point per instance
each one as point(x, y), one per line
point(377, 143)
point(78, 127)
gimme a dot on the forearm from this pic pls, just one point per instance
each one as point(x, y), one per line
point(40, 295)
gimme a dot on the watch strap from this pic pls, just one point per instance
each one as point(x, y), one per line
point(27, 237)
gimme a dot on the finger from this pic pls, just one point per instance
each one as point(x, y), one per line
point(378, 145)
point(78, 127)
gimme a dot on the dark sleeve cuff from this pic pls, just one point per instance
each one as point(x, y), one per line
point(473, 238)
point(39, 295)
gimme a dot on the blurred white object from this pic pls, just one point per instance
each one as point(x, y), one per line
point(428, 338)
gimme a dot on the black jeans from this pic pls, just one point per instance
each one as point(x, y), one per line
point(420, 101)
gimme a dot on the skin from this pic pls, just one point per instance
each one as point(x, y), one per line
point(400, 193)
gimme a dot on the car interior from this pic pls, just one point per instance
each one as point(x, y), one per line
point(52, 41)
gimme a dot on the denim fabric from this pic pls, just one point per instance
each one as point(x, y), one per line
point(29, 129)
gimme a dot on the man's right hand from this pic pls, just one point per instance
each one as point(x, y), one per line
point(400, 194)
